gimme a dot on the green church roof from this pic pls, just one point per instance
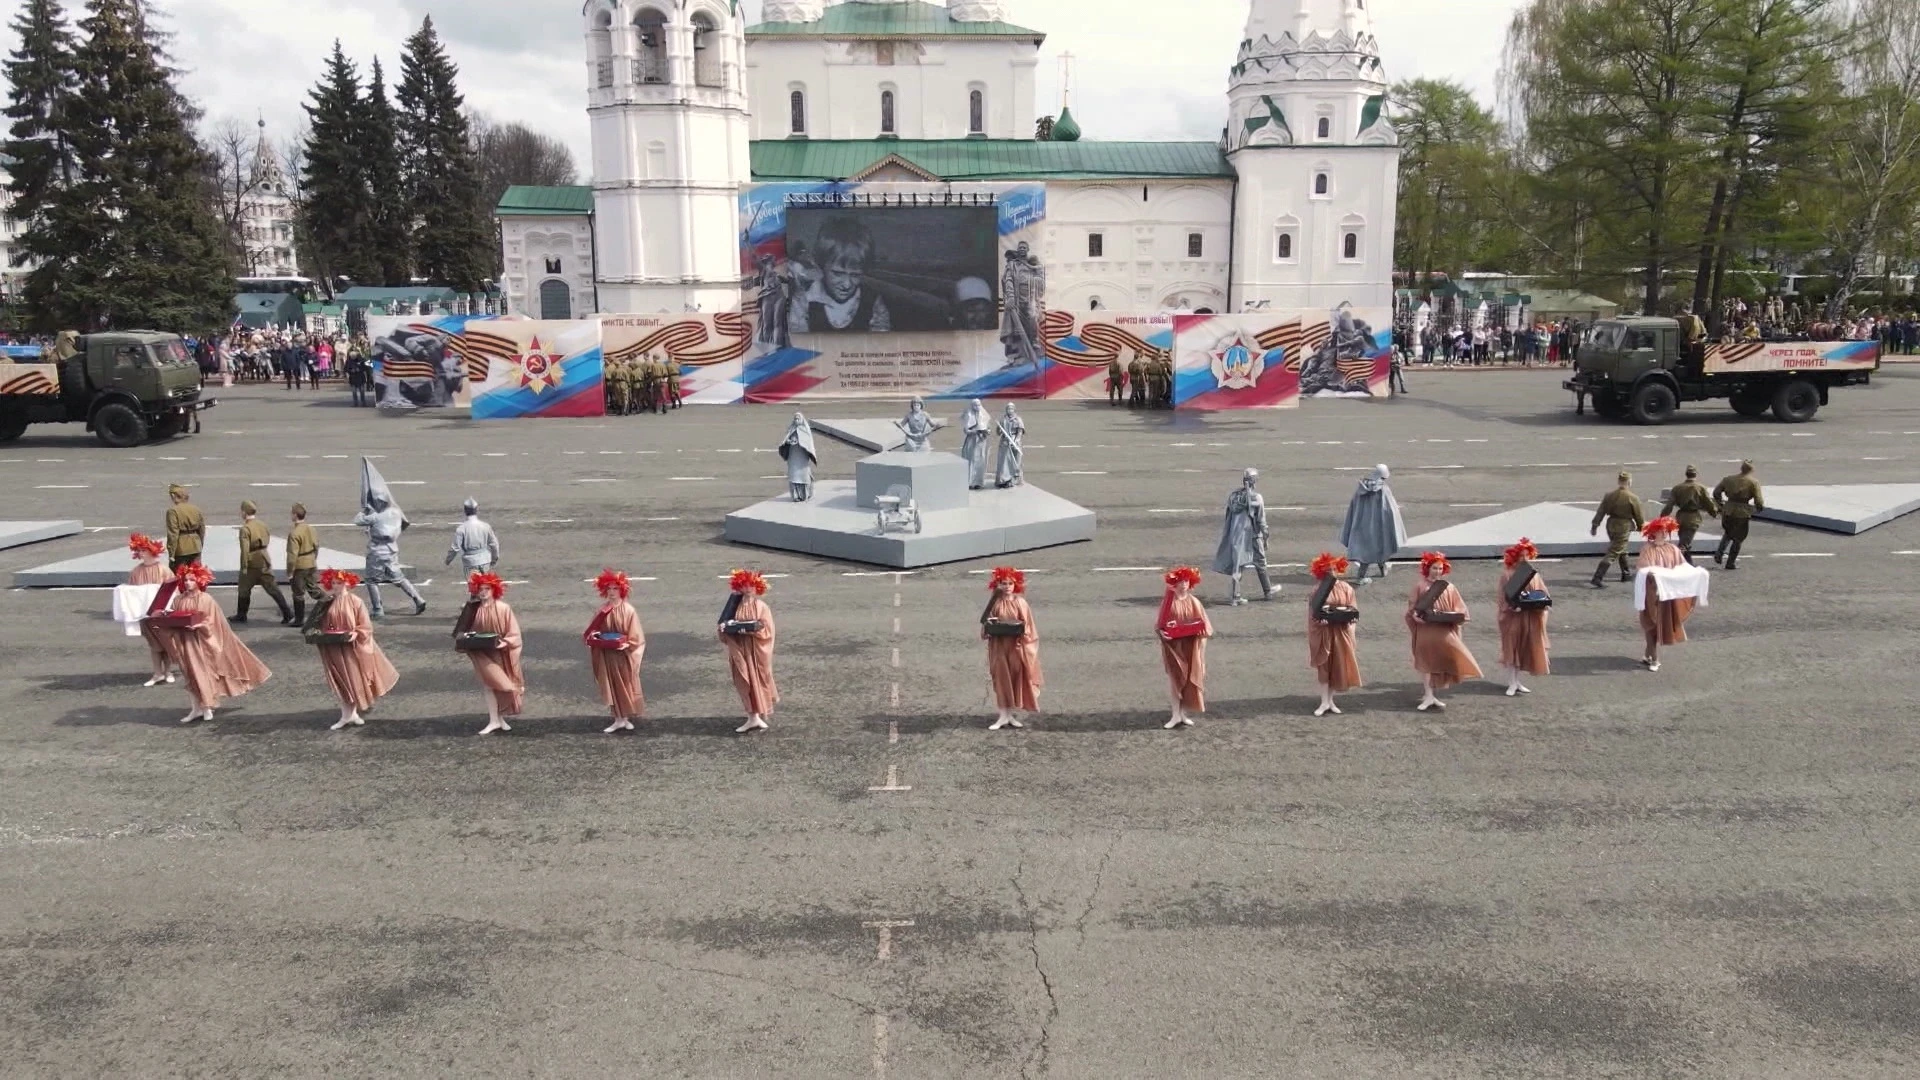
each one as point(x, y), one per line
point(902, 20)
point(527, 200)
point(988, 159)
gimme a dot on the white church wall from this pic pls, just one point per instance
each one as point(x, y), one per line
point(542, 249)
point(931, 82)
point(1277, 194)
point(1144, 228)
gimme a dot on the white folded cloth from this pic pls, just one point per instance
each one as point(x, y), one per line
point(1675, 583)
point(130, 604)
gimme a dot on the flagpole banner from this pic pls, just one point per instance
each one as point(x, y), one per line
point(709, 350)
point(419, 361)
point(1081, 350)
point(889, 290)
point(537, 368)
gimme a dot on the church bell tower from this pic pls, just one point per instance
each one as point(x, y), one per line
point(667, 103)
point(1317, 158)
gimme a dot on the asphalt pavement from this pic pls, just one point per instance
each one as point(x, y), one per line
point(1704, 872)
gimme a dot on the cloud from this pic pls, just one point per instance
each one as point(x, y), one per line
point(1141, 70)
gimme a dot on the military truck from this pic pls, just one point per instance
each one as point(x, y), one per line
point(1638, 368)
point(127, 387)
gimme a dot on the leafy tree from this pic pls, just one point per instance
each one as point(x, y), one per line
point(41, 80)
point(146, 249)
point(1870, 207)
point(1449, 149)
point(453, 240)
point(337, 206)
point(379, 152)
point(510, 154)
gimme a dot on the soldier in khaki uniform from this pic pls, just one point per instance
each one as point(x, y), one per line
point(1623, 516)
point(1116, 380)
point(1739, 498)
point(673, 382)
point(1691, 504)
point(186, 529)
point(256, 566)
point(303, 557)
point(619, 388)
point(657, 371)
point(1136, 383)
point(1166, 381)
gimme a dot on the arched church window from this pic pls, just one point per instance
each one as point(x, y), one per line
point(1350, 246)
point(976, 113)
point(1321, 183)
point(797, 112)
point(1283, 247)
point(1325, 130)
point(886, 112)
point(707, 67)
point(603, 49)
point(650, 47)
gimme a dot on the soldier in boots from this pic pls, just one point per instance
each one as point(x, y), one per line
point(303, 556)
point(256, 566)
point(1739, 498)
point(1621, 513)
point(1690, 503)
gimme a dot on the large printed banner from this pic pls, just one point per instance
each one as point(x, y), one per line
point(1272, 359)
point(1742, 356)
point(430, 361)
point(1081, 350)
point(550, 368)
point(709, 350)
point(886, 290)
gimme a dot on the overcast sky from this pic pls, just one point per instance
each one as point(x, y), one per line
point(1141, 70)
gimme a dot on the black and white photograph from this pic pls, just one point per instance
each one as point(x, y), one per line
point(875, 269)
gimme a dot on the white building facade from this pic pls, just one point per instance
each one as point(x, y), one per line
point(266, 217)
point(1292, 208)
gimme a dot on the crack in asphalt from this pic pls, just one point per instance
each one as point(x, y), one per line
point(1099, 876)
point(1042, 1046)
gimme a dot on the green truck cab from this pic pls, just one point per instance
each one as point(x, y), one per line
point(125, 386)
point(1640, 368)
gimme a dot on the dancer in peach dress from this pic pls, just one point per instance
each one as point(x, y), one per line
point(1662, 622)
point(1013, 653)
point(615, 646)
point(1331, 651)
point(151, 571)
point(357, 671)
point(217, 667)
point(746, 629)
point(498, 667)
point(1183, 648)
point(1523, 629)
point(1435, 614)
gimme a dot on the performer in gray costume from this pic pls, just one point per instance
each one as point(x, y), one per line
point(473, 542)
point(1374, 531)
point(979, 435)
point(801, 457)
point(384, 522)
point(918, 427)
point(1011, 467)
point(1243, 539)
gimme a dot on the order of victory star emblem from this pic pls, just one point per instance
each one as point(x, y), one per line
point(536, 370)
point(1237, 365)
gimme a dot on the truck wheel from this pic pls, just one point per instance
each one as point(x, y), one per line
point(1654, 403)
point(1796, 402)
point(167, 428)
point(119, 426)
point(12, 426)
point(1751, 405)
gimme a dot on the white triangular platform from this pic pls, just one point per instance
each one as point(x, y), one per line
point(15, 534)
point(221, 555)
point(873, 436)
point(1558, 530)
point(1843, 508)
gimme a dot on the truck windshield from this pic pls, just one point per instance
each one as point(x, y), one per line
point(170, 352)
point(1605, 337)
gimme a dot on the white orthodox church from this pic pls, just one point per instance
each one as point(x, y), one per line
point(266, 217)
point(1292, 207)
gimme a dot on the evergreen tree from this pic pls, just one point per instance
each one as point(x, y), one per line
point(148, 249)
point(453, 240)
point(41, 79)
point(386, 183)
point(337, 204)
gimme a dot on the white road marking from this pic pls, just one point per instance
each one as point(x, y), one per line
point(546, 521)
point(602, 480)
point(407, 483)
point(769, 577)
point(1176, 510)
point(1219, 444)
point(733, 451)
point(1084, 472)
point(173, 459)
point(1286, 508)
point(660, 519)
point(893, 781)
point(1639, 463)
point(329, 457)
point(604, 452)
point(1439, 440)
point(1472, 506)
point(1353, 468)
point(893, 726)
point(55, 460)
point(1694, 436)
point(1878, 459)
point(1125, 569)
point(59, 487)
point(1586, 438)
point(896, 658)
point(106, 528)
point(1068, 446)
point(1907, 553)
point(1544, 465)
point(896, 626)
point(689, 477)
point(573, 453)
point(1183, 444)
point(454, 453)
point(493, 455)
point(299, 457)
point(1022, 569)
point(1441, 466)
point(1799, 554)
point(646, 451)
point(1476, 440)
point(1803, 434)
point(1333, 442)
point(272, 484)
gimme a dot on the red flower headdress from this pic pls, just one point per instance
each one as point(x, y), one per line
point(1660, 526)
point(142, 544)
point(491, 581)
point(198, 573)
point(1434, 564)
point(747, 581)
point(613, 579)
point(1008, 574)
point(1187, 574)
point(330, 577)
point(1522, 550)
point(1327, 563)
